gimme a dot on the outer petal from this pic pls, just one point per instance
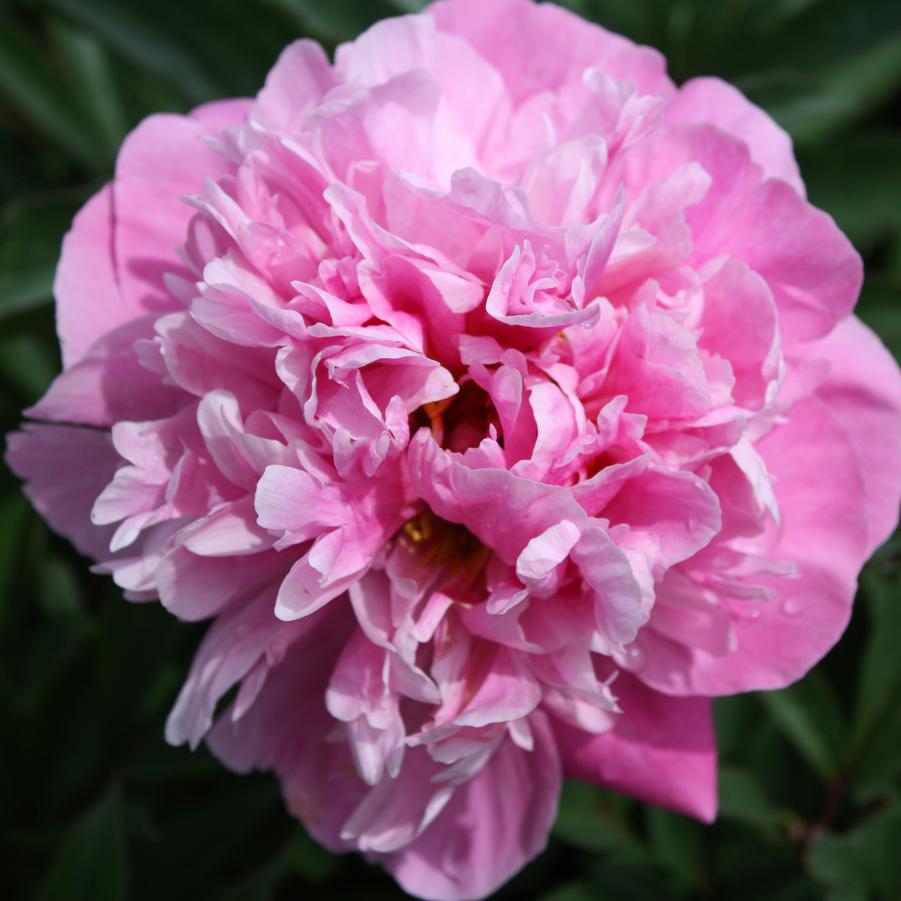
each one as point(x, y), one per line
point(234, 644)
point(491, 827)
point(810, 266)
point(540, 47)
point(88, 302)
point(741, 324)
point(472, 90)
point(863, 392)
point(677, 508)
point(194, 587)
point(661, 749)
point(812, 269)
point(396, 811)
point(717, 103)
point(319, 783)
point(220, 114)
point(64, 469)
point(109, 384)
point(89, 296)
point(162, 160)
point(296, 83)
point(819, 489)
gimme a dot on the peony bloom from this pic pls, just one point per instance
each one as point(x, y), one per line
point(498, 401)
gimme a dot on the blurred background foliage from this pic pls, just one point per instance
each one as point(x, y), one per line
point(94, 806)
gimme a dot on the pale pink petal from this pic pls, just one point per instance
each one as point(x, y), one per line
point(88, 301)
point(863, 393)
point(162, 160)
point(296, 83)
point(717, 103)
point(473, 95)
point(777, 641)
point(109, 384)
point(318, 780)
point(678, 508)
point(228, 529)
point(541, 47)
point(218, 115)
point(809, 265)
point(741, 325)
point(396, 811)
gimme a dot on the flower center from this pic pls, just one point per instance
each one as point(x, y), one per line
point(446, 547)
point(457, 422)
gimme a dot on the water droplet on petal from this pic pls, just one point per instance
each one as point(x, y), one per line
point(747, 613)
point(793, 607)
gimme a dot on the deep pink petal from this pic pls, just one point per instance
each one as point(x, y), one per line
point(660, 749)
point(239, 639)
point(490, 828)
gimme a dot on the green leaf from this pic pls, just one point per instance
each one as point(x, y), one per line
point(879, 307)
point(878, 770)
point(27, 363)
point(96, 92)
point(742, 798)
point(746, 867)
point(260, 885)
point(139, 35)
point(409, 6)
point(90, 863)
point(628, 876)
point(573, 891)
point(858, 181)
point(59, 594)
point(735, 717)
point(677, 844)
point(341, 20)
point(879, 683)
point(590, 819)
point(808, 716)
point(310, 860)
point(29, 84)
point(843, 93)
point(13, 515)
point(782, 12)
point(862, 863)
point(31, 232)
point(208, 835)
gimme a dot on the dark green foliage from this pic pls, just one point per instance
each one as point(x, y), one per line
point(95, 806)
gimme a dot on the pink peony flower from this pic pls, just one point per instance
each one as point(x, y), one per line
point(500, 402)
